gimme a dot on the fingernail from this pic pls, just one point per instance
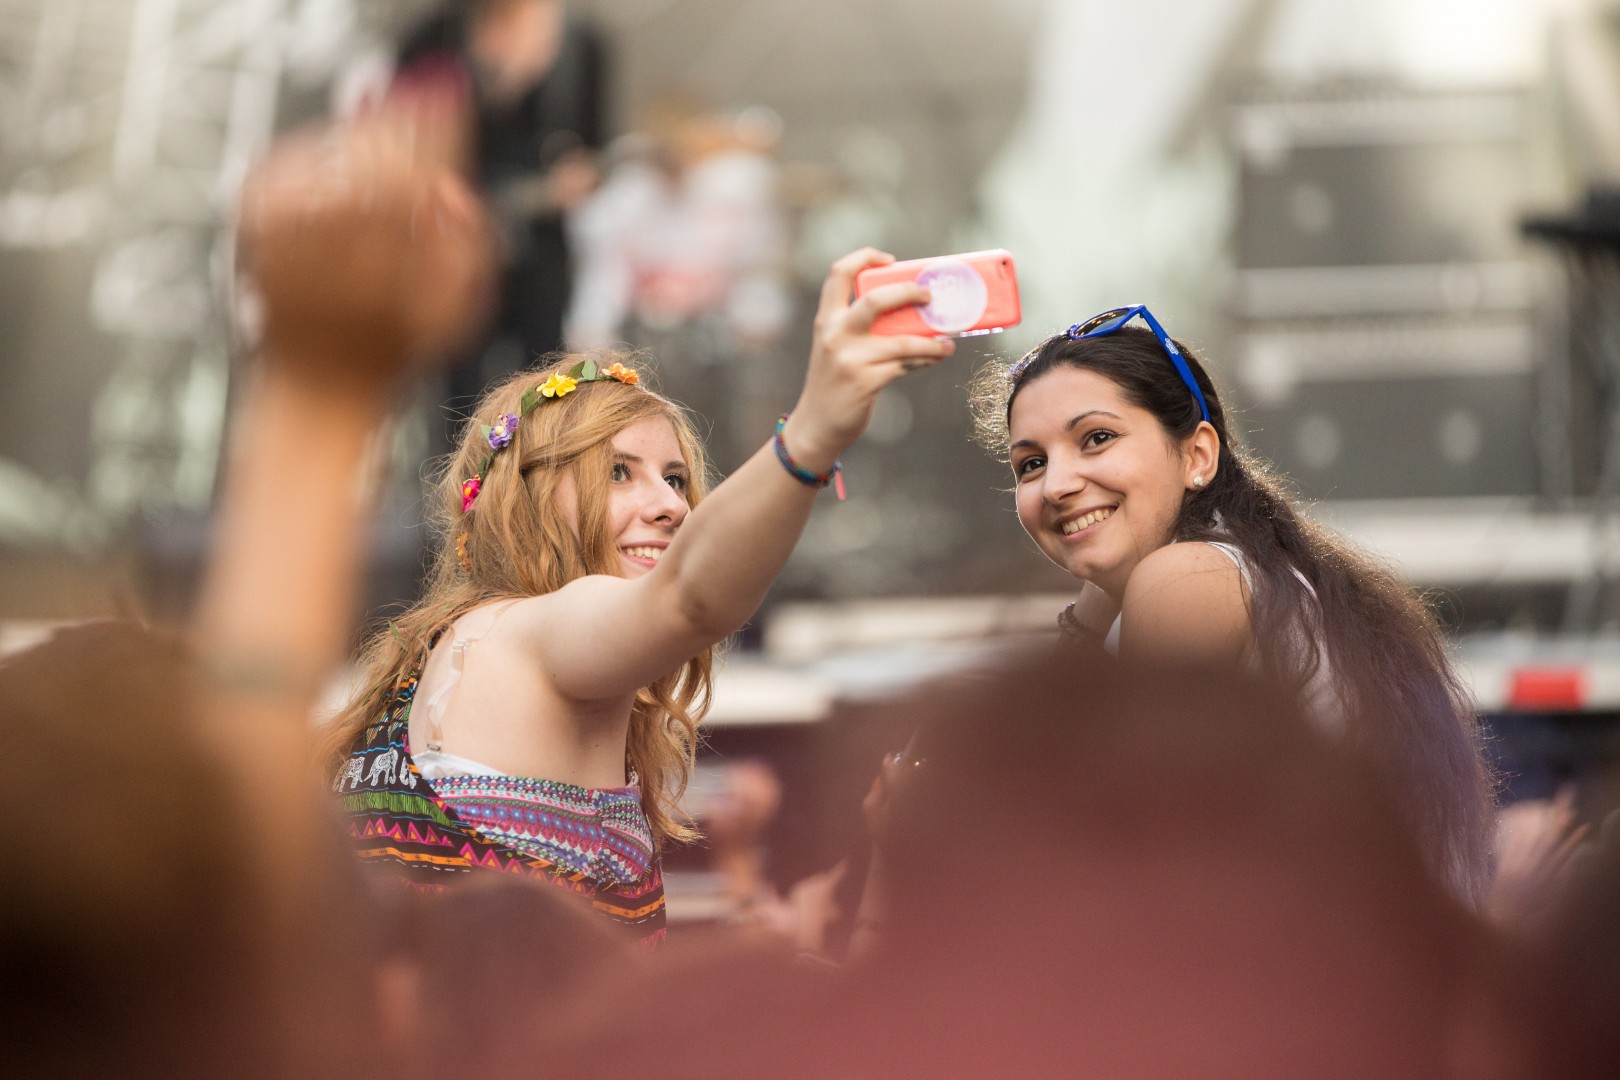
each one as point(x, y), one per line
point(950, 346)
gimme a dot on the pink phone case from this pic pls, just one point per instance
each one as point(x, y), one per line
point(976, 293)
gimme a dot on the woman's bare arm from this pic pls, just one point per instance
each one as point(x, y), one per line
point(368, 256)
point(602, 637)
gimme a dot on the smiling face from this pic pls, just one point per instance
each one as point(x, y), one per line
point(647, 497)
point(1099, 483)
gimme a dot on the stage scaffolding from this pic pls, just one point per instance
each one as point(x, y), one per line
point(127, 126)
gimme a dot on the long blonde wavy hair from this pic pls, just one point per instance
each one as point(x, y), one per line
point(518, 545)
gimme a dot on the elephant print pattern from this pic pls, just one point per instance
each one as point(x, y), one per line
point(383, 765)
point(353, 774)
point(385, 770)
point(427, 835)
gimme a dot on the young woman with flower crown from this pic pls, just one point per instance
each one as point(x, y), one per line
point(535, 711)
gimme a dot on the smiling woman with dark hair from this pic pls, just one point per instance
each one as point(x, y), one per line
point(1126, 476)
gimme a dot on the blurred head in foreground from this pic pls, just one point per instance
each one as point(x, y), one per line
point(1179, 877)
point(476, 963)
point(136, 937)
point(1099, 871)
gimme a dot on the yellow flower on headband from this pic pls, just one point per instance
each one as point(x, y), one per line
point(558, 385)
point(625, 375)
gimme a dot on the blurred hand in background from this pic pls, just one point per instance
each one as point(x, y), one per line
point(363, 249)
point(1535, 842)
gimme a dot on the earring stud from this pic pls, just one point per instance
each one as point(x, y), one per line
point(1198, 481)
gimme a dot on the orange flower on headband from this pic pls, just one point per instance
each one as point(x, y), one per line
point(461, 553)
point(625, 375)
point(557, 385)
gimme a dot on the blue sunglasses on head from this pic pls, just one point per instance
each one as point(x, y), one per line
point(1105, 324)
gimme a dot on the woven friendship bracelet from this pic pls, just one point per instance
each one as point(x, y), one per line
point(833, 476)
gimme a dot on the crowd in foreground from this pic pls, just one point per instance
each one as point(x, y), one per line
point(1235, 826)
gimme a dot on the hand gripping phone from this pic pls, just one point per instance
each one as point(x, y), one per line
point(976, 293)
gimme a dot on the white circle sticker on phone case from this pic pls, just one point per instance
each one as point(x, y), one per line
point(959, 296)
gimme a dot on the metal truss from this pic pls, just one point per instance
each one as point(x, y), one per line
point(125, 129)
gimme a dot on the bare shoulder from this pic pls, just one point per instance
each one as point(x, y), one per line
point(1187, 601)
point(573, 602)
point(600, 637)
point(1186, 565)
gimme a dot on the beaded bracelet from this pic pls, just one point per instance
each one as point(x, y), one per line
point(833, 476)
point(1071, 628)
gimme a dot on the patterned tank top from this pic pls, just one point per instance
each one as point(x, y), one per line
point(594, 842)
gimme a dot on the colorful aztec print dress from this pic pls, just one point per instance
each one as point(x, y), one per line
point(595, 842)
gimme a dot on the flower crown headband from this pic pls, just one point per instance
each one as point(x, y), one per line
point(500, 435)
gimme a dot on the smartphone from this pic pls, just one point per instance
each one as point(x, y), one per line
point(973, 294)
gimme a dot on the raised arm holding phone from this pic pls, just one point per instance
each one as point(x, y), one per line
point(536, 709)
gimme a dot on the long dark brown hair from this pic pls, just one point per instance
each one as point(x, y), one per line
point(1404, 706)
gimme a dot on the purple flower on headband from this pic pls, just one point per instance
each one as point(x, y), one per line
point(500, 436)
